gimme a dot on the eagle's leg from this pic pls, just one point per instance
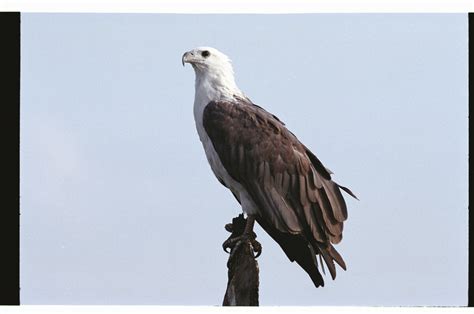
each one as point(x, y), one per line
point(256, 246)
point(241, 234)
point(249, 225)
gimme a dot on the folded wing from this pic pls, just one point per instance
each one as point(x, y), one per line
point(299, 205)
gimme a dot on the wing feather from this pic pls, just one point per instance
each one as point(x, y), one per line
point(338, 205)
point(285, 182)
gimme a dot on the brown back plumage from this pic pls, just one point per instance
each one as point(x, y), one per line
point(299, 205)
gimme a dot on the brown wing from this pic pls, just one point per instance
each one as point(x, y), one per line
point(299, 205)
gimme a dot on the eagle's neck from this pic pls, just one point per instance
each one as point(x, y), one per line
point(215, 86)
point(218, 85)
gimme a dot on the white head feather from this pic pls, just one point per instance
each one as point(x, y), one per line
point(214, 74)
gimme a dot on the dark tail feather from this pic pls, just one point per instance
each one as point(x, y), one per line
point(329, 261)
point(297, 249)
point(322, 264)
point(330, 255)
point(313, 273)
point(347, 191)
point(337, 257)
point(311, 267)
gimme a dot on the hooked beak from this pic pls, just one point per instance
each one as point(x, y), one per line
point(187, 57)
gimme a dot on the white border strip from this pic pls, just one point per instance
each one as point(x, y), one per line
point(238, 6)
point(61, 309)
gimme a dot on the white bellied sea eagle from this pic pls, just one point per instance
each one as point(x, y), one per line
point(277, 180)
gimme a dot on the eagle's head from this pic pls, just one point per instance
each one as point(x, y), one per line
point(208, 61)
point(214, 73)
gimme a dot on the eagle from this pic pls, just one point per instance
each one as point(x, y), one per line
point(276, 179)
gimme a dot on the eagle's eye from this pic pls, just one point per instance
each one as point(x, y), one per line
point(205, 53)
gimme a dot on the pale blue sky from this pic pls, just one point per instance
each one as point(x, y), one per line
point(118, 203)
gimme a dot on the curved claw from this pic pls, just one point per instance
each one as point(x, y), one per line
point(229, 228)
point(228, 245)
point(257, 248)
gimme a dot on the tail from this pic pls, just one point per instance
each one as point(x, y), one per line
point(330, 255)
point(304, 252)
point(310, 265)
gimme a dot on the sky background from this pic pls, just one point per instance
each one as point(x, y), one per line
point(118, 202)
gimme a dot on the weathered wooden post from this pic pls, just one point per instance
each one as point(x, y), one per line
point(242, 285)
